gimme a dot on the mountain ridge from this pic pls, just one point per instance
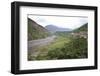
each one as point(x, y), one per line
point(54, 28)
point(84, 27)
point(81, 31)
point(36, 31)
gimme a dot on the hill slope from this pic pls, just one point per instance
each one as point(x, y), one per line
point(82, 28)
point(36, 31)
point(81, 32)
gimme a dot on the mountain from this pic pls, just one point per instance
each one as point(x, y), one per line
point(84, 27)
point(36, 31)
point(81, 31)
point(53, 28)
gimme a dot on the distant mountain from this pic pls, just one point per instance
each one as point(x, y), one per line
point(53, 28)
point(36, 31)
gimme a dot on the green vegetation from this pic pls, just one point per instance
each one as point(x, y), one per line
point(64, 49)
point(65, 46)
point(57, 44)
point(62, 33)
point(82, 28)
point(77, 48)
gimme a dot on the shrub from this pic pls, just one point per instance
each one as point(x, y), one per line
point(77, 48)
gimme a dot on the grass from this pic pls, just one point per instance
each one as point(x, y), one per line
point(63, 47)
point(75, 49)
point(58, 43)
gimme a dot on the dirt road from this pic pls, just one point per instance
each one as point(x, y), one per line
point(33, 44)
point(40, 42)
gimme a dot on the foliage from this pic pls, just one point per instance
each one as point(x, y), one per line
point(82, 28)
point(65, 46)
point(77, 48)
point(63, 33)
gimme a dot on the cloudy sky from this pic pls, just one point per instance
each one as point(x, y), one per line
point(60, 21)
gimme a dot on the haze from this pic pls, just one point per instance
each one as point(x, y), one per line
point(64, 22)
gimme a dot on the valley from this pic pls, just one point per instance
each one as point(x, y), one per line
point(52, 42)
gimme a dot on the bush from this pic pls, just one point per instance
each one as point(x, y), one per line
point(77, 48)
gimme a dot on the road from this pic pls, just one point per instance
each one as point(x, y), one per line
point(33, 44)
point(40, 42)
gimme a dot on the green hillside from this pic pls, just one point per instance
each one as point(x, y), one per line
point(82, 28)
point(36, 31)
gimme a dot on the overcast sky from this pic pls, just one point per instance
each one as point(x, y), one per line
point(65, 22)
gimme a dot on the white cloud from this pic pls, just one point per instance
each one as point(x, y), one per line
point(65, 22)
